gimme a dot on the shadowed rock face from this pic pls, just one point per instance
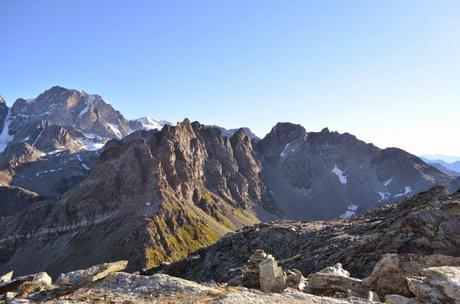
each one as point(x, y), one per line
point(324, 175)
point(12, 198)
point(425, 224)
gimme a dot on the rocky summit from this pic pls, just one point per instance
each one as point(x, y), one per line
point(81, 185)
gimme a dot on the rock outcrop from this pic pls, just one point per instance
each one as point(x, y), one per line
point(152, 197)
point(425, 224)
point(330, 285)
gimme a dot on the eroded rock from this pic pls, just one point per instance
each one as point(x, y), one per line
point(436, 285)
point(91, 274)
point(390, 273)
point(272, 278)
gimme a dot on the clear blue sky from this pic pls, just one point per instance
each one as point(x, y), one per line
point(386, 71)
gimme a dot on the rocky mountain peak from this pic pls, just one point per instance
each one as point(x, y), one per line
point(70, 108)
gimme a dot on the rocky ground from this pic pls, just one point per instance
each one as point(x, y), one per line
point(428, 223)
point(396, 279)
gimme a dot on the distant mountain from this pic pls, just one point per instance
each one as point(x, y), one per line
point(229, 132)
point(446, 158)
point(147, 123)
point(449, 168)
point(157, 196)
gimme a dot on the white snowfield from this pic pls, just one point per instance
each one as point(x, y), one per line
point(342, 178)
point(149, 123)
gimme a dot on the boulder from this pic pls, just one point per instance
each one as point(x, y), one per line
point(6, 277)
point(294, 279)
point(436, 285)
point(397, 299)
point(22, 287)
point(272, 278)
point(336, 270)
point(390, 273)
point(91, 274)
point(335, 279)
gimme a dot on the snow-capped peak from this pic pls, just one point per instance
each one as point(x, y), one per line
point(149, 123)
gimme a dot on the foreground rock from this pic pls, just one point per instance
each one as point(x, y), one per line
point(92, 274)
point(120, 287)
point(390, 274)
point(328, 286)
point(437, 285)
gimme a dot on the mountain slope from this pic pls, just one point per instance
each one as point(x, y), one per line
point(323, 175)
point(154, 196)
point(48, 144)
point(426, 224)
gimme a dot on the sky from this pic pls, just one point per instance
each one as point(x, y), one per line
point(385, 71)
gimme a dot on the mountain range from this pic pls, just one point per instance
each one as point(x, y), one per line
point(77, 175)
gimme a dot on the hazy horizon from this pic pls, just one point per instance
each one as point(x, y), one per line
point(385, 72)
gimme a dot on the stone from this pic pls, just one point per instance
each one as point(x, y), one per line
point(336, 270)
point(6, 277)
point(294, 279)
point(91, 274)
point(330, 280)
point(272, 278)
point(397, 299)
point(23, 286)
point(437, 285)
point(373, 296)
point(423, 291)
point(447, 278)
point(390, 273)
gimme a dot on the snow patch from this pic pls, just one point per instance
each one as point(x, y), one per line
point(115, 130)
point(82, 163)
point(287, 149)
point(383, 196)
point(5, 137)
point(48, 171)
point(407, 190)
point(342, 178)
point(53, 152)
point(149, 123)
point(351, 210)
point(386, 183)
point(90, 145)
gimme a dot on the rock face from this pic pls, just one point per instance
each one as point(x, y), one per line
point(152, 197)
point(55, 126)
point(13, 199)
point(344, 174)
point(390, 274)
point(425, 224)
point(437, 285)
